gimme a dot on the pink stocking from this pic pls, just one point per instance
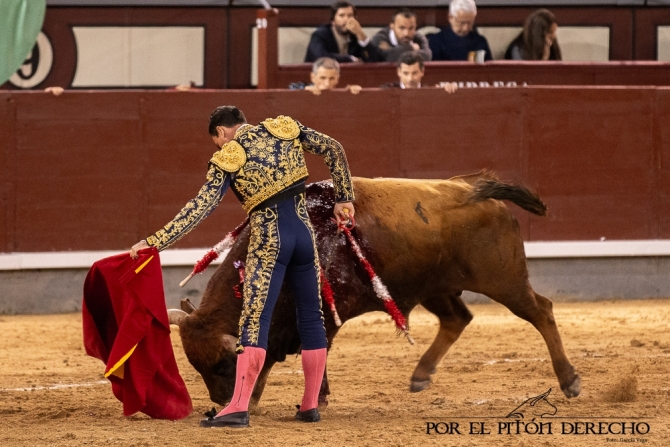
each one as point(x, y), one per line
point(249, 365)
point(313, 365)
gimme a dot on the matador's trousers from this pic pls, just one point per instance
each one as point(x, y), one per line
point(282, 244)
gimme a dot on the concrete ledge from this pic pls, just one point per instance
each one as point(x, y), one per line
point(43, 283)
point(53, 291)
point(171, 258)
point(592, 279)
point(45, 291)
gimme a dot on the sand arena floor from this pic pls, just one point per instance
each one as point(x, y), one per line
point(51, 393)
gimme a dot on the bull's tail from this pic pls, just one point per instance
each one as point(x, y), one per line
point(487, 188)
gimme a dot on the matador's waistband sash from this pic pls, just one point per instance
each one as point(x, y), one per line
point(291, 191)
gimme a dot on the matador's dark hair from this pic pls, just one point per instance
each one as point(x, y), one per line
point(227, 116)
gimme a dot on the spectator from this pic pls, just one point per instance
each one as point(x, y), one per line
point(401, 36)
point(456, 41)
point(410, 73)
point(537, 41)
point(342, 39)
point(325, 75)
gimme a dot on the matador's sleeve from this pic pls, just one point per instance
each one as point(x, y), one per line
point(333, 155)
point(195, 210)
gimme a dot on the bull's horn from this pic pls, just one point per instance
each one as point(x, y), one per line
point(176, 316)
point(187, 306)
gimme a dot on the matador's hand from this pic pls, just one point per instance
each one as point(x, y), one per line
point(343, 211)
point(137, 247)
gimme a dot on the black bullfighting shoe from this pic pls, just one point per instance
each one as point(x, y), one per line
point(308, 416)
point(234, 420)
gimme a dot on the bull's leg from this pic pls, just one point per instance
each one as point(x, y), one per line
point(454, 317)
point(324, 391)
point(260, 383)
point(537, 310)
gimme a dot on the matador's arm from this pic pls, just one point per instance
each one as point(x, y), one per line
point(195, 211)
point(333, 155)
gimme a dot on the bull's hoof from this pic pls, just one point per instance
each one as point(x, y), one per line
point(574, 389)
point(418, 385)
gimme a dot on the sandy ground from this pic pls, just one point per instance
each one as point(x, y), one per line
point(51, 393)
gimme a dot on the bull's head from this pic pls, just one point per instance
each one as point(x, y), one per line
point(211, 351)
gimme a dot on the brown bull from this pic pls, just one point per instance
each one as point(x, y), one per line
point(427, 239)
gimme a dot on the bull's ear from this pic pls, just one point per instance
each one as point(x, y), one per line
point(176, 316)
point(187, 306)
point(229, 343)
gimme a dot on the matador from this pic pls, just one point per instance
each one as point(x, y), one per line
point(265, 167)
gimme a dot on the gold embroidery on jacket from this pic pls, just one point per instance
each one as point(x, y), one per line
point(272, 165)
point(194, 212)
point(283, 127)
point(231, 157)
point(262, 256)
point(275, 161)
point(333, 155)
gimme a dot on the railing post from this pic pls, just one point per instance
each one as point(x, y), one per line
point(267, 23)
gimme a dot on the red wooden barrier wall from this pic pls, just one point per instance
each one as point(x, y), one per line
point(100, 170)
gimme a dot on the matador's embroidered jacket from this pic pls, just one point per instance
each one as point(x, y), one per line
point(258, 163)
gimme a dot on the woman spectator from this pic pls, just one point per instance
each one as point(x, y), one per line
point(537, 41)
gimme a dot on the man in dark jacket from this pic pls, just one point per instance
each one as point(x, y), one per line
point(401, 36)
point(342, 39)
point(410, 73)
point(460, 41)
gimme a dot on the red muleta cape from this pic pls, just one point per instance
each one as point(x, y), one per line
point(126, 326)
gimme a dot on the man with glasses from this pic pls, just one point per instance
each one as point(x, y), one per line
point(460, 41)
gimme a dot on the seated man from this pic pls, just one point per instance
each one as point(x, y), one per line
point(456, 41)
point(401, 36)
point(325, 75)
point(342, 39)
point(410, 73)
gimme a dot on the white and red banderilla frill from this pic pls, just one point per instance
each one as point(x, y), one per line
point(326, 290)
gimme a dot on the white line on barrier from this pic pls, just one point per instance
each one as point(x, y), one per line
point(598, 249)
point(175, 257)
point(59, 386)
point(84, 259)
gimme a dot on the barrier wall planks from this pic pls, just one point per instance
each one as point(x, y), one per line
point(99, 170)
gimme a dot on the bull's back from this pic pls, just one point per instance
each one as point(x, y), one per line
point(424, 207)
point(419, 227)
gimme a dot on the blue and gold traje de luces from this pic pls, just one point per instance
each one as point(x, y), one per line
point(273, 160)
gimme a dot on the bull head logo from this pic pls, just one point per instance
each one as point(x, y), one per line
point(537, 406)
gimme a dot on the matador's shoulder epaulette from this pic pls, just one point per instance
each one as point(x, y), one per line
point(231, 157)
point(282, 127)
